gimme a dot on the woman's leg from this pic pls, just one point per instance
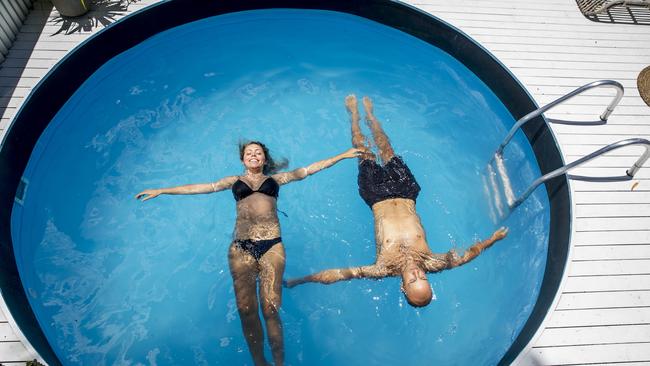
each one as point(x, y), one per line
point(244, 270)
point(271, 271)
point(381, 140)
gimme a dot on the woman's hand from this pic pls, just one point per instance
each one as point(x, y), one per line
point(148, 194)
point(354, 153)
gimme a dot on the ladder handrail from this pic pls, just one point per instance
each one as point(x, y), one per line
point(603, 117)
point(629, 174)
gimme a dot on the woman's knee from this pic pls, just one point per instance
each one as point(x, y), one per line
point(270, 308)
point(246, 295)
point(247, 310)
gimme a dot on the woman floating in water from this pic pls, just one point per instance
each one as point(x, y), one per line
point(391, 190)
point(257, 250)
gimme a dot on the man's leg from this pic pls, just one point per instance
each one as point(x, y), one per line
point(358, 139)
point(381, 140)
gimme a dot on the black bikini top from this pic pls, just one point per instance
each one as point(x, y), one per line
point(241, 190)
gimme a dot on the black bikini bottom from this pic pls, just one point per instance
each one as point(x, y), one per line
point(257, 248)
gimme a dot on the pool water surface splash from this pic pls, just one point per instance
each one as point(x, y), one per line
point(114, 281)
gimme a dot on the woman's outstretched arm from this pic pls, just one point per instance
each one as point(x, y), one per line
point(341, 274)
point(302, 173)
point(217, 186)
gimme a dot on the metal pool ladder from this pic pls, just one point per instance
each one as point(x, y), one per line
point(496, 168)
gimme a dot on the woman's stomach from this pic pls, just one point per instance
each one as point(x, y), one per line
point(262, 226)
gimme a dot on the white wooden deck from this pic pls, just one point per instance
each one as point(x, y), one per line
point(602, 315)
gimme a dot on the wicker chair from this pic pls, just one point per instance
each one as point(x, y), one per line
point(610, 3)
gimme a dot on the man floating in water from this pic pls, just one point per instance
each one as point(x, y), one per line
point(390, 190)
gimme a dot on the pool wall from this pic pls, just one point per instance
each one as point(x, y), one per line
point(65, 78)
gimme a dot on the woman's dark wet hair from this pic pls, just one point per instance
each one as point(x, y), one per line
point(271, 166)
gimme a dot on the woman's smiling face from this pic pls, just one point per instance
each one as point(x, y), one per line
point(254, 158)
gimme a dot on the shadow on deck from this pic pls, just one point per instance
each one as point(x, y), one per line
point(21, 69)
point(102, 13)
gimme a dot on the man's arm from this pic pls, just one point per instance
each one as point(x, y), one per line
point(451, 259)
point(341, 274)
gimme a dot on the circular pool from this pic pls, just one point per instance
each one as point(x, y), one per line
point(114, 281)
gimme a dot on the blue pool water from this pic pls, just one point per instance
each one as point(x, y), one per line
point(114, 281)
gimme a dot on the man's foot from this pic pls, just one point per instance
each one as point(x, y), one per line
point(367, 105)
point(351, 104)
point(261, 362)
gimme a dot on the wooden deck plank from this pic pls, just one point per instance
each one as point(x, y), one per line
point(608, 284)
point(608, 160)
point(599, 317)
point(589, 354)
point(595, 110)
point(629, 47)
point(613, 210)
point(612, 223)
point(593, 335)
point(618, 119)
point(486, 25)
point(613, 267)
point(59, 45)
point(11, 102)
point(597, 140)
point(582, 186)
point(14, 92)
point(631, 197)
point(31, 63)
point(14, 352)
point(608, 129)
point(503, 4)
point(29, 72)
point(611, 238)
point(604, 300)
point(483, 29)
point(568, 54)
point(568, 82)
point(569, 18)
point(611, 252)
point(579, 150)
point(599, 99)
point(6, 333)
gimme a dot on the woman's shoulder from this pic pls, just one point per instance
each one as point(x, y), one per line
point(232, 179)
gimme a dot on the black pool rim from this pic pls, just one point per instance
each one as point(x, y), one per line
point(65, 78)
